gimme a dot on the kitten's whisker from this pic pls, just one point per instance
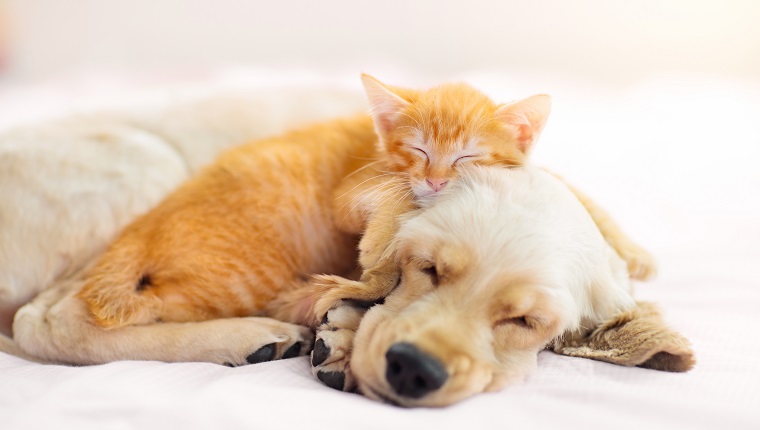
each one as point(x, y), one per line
point(362, 183)
point(362, 168)
point(402, 198)
point(394, 189)
point(375, 187)
point(370, 192)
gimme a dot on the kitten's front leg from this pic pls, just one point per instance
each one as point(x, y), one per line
point(342, 303)
point(381, 272)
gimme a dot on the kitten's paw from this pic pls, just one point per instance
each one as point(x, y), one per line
point(641, 264)
point(331, 357)
point(338, 291)
point(335, 290)
point(281, 340)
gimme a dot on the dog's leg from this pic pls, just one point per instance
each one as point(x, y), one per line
point(340, 306)
point(641, 264)
point(57, 327)
point(334, 306)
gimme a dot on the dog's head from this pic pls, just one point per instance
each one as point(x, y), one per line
point(501, 266)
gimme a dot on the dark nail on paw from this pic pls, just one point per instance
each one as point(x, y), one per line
point(320, 354)
point(265, 353)
point(334, 380)
point(293, 351)
point(229, 364)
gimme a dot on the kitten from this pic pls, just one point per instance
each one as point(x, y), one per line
point(424, 136)
point(243, 237)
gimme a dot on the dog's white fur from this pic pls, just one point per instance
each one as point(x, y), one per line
point(68, 186)
point(525, 221)
point(518, 233)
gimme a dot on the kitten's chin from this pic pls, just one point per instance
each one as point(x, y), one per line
point(422, 193)
point(425, 196)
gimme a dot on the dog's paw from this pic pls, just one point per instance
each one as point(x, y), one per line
point(274, 341)
point(331, 357)
point(641, 264)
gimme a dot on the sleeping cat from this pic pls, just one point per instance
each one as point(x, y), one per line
point(243, 237)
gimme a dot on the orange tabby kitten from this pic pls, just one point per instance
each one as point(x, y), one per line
point(265, 216)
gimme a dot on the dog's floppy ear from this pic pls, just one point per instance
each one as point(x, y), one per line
point(637, 337)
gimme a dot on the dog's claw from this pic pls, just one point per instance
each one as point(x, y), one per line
point(293, 351)
point(265, 353)
point(320, 353)
point(334, 380)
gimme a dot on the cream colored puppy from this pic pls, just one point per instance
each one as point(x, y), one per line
point(502, 265)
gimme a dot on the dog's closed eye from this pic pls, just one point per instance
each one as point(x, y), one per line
point(521, 321)
point(432, 272)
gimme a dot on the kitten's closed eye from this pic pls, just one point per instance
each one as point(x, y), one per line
point(465, 158)
point(420, 151)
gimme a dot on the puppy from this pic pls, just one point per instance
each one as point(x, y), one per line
point(504, 264)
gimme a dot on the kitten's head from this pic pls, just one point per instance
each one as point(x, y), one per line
point(427, 135)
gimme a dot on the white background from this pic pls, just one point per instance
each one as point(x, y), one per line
point(609, 40)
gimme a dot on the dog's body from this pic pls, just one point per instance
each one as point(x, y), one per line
point(504, 264)
point(58, 326)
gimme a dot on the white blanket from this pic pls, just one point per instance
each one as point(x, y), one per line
point(675, 159)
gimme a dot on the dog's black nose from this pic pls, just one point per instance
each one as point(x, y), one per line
point(411, 372)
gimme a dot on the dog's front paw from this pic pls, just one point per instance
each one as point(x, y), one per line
point(331, 357)
point(641, 264)
point(274, 341)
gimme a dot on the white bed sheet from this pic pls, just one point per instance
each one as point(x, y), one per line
point(675, 159)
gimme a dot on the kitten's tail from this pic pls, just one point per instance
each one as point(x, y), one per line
point(117, 292)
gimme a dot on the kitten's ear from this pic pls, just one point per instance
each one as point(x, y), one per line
point(385, 105)
point(526, 118)
point(637, 337)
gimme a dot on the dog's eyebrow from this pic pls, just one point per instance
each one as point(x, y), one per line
point(451, 261)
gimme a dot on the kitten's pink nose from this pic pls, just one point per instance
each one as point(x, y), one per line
point(437, 184)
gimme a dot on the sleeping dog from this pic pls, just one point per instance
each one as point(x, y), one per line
point(501, 266)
